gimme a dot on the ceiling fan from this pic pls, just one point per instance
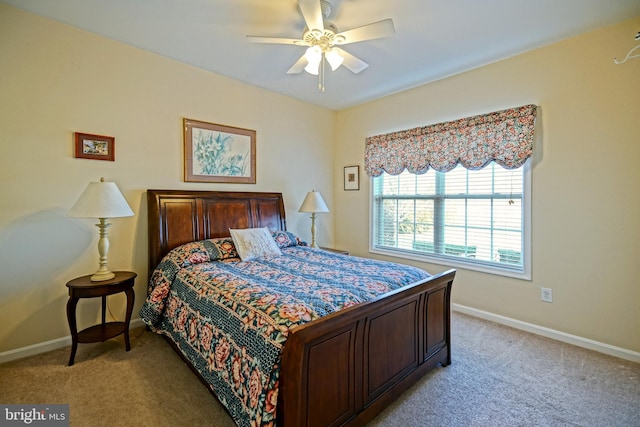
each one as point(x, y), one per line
point(322, 40)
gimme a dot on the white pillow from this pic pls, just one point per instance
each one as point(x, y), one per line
point(254, 242)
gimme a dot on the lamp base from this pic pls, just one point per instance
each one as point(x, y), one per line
point(100, 276)
point(313, 230)
point(103, 272)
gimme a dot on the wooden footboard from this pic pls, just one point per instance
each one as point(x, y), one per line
point(347, 367)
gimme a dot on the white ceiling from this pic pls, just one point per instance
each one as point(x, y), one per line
point(434, 38)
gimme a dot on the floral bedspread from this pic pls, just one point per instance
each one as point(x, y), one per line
point(231, 318)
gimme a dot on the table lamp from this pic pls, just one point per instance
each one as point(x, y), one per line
point(101, 200)
point(313, 203)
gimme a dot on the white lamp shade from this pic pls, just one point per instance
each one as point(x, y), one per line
point(334, 58)
point(313, 203)
point(313, 56)
point(101, 200)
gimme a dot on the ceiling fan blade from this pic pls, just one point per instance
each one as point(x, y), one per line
point(375, 30)
point(312, 14)
point(298, 66)
point(353, 63)
point(276, 40)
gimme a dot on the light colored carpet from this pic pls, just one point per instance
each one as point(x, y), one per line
point(499, 377)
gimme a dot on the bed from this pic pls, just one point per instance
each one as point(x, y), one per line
point(340, 369)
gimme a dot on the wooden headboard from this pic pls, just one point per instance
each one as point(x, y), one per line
point(176, 217)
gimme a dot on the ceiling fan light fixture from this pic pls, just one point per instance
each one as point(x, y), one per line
point(312, 68)
point(313, 57)
point(334, 58)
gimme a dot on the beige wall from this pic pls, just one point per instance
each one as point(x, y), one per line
point(56, 80)
point(586, 198)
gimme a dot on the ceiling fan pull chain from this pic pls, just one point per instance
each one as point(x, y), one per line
point(321, 76)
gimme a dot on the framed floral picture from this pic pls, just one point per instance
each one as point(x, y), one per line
point(95, 147)
point(218, 153)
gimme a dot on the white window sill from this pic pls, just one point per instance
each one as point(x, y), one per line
point(455, 263)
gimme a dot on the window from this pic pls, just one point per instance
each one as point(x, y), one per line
point(427, 206)
point(475, 219)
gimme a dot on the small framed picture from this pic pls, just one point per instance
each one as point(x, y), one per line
point(351, 178)
point(95, 147)
point(218, 153)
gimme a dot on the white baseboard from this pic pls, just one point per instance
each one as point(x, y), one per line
point(43, 347)
point(611, 350)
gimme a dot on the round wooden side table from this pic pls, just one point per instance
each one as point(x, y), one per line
point(83, 287)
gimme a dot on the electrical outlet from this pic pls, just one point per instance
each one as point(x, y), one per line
point(546, 294)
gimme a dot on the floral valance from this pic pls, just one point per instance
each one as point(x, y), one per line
point(505, 137)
